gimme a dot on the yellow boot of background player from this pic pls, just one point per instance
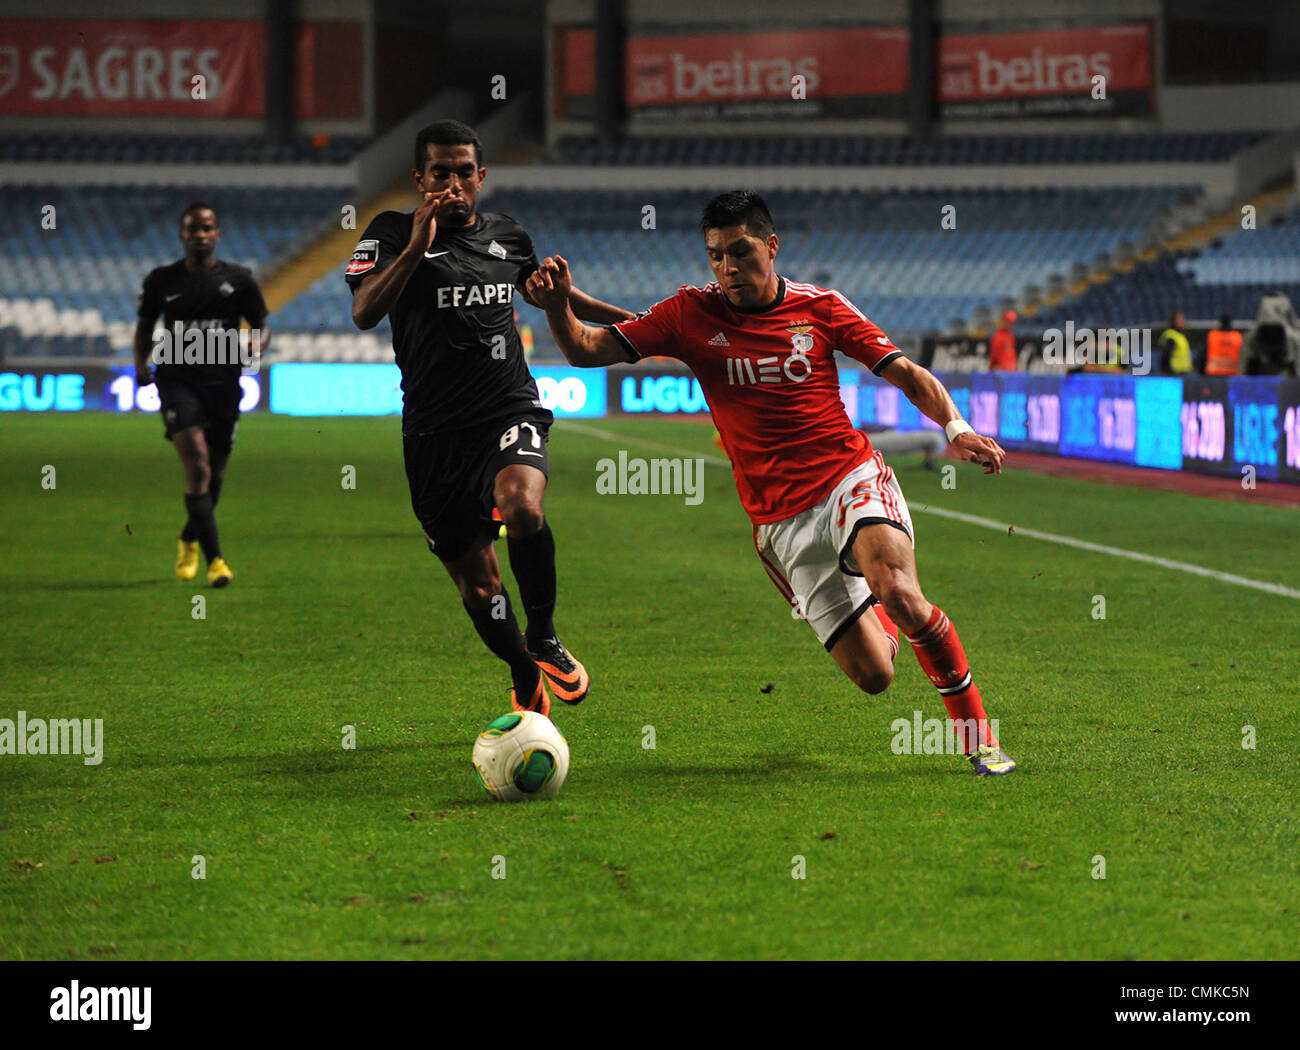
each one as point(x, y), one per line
point(187, 560)
point(219, 573)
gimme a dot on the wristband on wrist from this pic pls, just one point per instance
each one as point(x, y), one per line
point(957, 426)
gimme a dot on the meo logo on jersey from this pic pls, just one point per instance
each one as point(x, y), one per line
point(364, 258)
point(795, 369)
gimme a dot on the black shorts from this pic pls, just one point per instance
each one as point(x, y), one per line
point(212, 406)
point(452, 476)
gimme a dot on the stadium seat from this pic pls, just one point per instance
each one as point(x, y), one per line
point(881, 150)
point(1230, 275)
point(34, 147)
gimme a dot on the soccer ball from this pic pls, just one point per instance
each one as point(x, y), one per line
point(521, 756)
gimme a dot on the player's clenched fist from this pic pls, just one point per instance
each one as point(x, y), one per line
point(550, 285)
point(538, 290)
point(558, 269)
point(425, 226)
point(976, 448)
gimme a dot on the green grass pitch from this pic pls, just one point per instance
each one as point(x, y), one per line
point(223, 736)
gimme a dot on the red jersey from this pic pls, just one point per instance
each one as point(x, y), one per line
point(771, 383)
point(1002, 351)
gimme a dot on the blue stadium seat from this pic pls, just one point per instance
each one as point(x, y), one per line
point(1230, 275)
point(884, 249)
point(879, 150)
point(107, 238)
point(32, 147)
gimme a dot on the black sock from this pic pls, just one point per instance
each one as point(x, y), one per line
point(533, 562)
point(205, 525)
point(214, 490)
point(500, 633)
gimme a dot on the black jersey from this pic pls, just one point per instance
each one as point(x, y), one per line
point(210, 299)
point(454, 333)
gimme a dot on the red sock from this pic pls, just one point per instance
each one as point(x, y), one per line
point(939, 652)
point(890, 627)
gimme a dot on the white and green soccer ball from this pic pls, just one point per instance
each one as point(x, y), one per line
point(521, 756)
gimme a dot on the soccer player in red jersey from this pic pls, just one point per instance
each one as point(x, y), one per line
point(831, 525)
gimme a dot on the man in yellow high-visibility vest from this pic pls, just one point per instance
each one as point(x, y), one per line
point(1175, 350)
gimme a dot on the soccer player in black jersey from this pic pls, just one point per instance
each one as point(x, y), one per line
point(474, 431)
point(198, 379)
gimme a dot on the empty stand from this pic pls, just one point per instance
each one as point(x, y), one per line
point(1128, 148)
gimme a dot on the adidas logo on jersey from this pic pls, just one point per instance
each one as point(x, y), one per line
point(719, 340)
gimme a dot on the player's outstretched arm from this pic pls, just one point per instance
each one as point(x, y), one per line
point(925, 391)
point(551, 288)
point(588, 308)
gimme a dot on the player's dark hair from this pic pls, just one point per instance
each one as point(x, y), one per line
point(446, 133)
point(738, 208)
point(197, 206)
point(1225, 320)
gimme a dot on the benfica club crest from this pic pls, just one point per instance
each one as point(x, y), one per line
point(800, 340)
point(798, 366)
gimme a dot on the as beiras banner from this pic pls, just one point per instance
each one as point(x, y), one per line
point(679, 74)
point(694, 75)
point(1047, 72)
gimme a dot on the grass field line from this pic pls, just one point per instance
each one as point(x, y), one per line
point(1116, 552)
point(609, 435)
point(989, 523)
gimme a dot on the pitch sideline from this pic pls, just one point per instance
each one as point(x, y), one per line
point(987, 523)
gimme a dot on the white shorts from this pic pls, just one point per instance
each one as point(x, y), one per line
point(810, 556)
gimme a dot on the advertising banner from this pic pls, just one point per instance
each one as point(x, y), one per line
point(1241, 422)
point(376, 390)
point(1288, 405)
point(169, 68)
point(105, 388)
point(670, 394)
point(1090, 71)
point(685, 73)
point(1028, 410)
point(851, 71)
point(1240, 427)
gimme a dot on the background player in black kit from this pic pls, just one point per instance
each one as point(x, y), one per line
point(474, 431)
point(200, 402)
